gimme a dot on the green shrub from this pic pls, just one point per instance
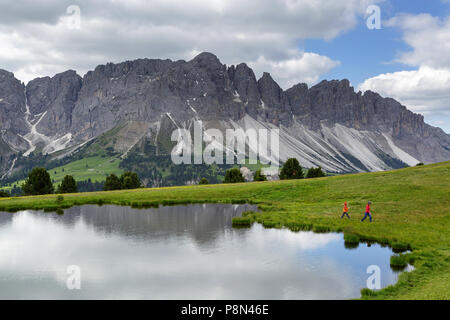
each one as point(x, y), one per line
point(367, 293)
point(4, 194)
point(269, 224)
point(351, 238)
point(144, 204)
point(136, 205)
point(398, 261)
point(167, 203)
point(51, 208)
point(351, 245)
point(399, 247)
point(258, 176)
point(321, 229)
point(150, 204)
point(298, 226)
point(241, 222)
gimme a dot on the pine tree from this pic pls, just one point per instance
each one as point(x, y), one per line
point(315, 173)
point(112, 183)
point(38, 183)
point(68, 185)
point(233, 176)
point(291, 170)
point(130, 180)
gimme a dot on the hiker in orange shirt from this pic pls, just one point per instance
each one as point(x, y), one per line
point(345, 211)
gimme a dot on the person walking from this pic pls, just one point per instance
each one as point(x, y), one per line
point(345, 211)
point(367, 214)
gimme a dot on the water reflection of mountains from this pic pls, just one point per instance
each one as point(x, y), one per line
point(6, 218)
point(201, 222)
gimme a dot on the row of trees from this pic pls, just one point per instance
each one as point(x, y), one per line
point(128, 180)
point(290, 170)
point(4, 194)
point(40, 183)
point(160, 171)
point(293, 170)
point(235, 176)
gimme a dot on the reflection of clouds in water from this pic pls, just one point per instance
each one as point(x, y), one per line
point(294, 240)
point(39, 242)
point(243, 264)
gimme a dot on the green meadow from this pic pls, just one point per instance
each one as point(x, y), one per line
point(96, 168)
point(411, 211)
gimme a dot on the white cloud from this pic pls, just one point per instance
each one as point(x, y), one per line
point(301, 67)
point(427, 89)
point(423, 90)
point(36, 40)
point(429, 38)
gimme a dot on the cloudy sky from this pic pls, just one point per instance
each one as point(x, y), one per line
point(295, 40)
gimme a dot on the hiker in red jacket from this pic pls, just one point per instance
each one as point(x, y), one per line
point(367, 214)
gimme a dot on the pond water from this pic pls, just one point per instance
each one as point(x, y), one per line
point(179, 252)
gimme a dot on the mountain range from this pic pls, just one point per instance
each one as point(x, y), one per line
point(139, 103)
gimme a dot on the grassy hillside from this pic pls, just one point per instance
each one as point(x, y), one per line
point(410, 206)
point(94, 168)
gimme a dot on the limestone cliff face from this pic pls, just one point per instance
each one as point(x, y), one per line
point(328, 124)
point(56, 97)
point(12, 110)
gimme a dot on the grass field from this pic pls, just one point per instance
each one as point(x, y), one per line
point(411, 208)
point(94, 168)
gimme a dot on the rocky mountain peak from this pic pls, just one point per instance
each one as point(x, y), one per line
point(271, 92)
point(6, 74)
point(143, 94)
point(244, 80)
point(207, 60)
